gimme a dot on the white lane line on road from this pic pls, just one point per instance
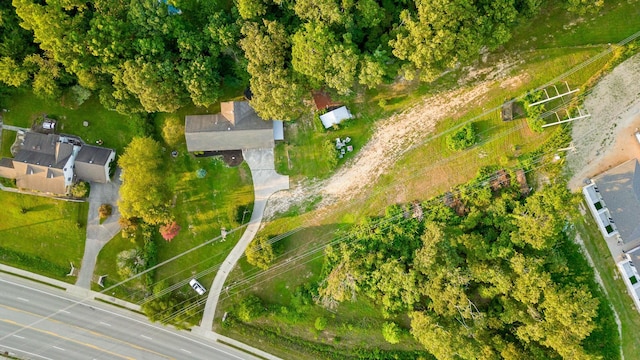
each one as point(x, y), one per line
point(24, 352)
point(18, 336)
point(23, 299)
point(187, 351)
point(105, 324)
point(59, 348)
point(82, 302)
point(145, 337)
point(64, 311)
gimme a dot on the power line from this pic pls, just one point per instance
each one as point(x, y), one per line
point(560, 77)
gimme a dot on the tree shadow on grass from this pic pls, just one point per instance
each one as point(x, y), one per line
point(40, 207)
point(30, 225)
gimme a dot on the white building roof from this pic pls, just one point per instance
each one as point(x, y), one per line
point(335, 117)
point(278, 130)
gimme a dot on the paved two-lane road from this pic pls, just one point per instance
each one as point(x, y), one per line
point(39, 322)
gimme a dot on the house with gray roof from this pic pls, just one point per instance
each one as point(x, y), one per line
point(236, 127)
point(51, 163)
point(614, 199)
point(92, 163)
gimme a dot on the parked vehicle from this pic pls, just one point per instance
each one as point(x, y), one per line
point(197, 287)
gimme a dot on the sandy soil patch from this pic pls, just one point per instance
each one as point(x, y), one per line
point(606, 139)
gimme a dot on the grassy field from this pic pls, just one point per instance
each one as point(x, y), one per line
point(8, 137)
point(203, 207)
point(554, 27)
point(304, 153)
point(613, 284)
point(45, 238)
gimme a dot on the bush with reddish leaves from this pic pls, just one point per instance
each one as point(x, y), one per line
point(169, 231)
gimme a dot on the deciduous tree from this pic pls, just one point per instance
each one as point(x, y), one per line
point(143, 192)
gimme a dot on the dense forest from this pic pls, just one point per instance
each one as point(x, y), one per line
point(150, 56)
point(493, 275)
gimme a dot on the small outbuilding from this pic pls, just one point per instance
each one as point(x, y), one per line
point(335, 117)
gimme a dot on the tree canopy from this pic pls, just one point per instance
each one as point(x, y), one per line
point(139, 56)
point(493, 281)
point(143, 192)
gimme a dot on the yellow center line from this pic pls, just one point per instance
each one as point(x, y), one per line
point(69, 339)
point(138, 347)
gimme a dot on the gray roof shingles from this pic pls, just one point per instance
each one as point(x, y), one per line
point(93, 155)
point(620, 190)
point(236, 127)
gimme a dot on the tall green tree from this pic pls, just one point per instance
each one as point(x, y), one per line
point(276, 91)
point(487, 285)
point(143, 193)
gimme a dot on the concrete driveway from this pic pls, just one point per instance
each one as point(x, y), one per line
point(266, 181)
point(99, 234)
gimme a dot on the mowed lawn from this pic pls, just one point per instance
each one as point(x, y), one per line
point(304, 152)
point(45, 238)
point(202, 207)
point(114, 129)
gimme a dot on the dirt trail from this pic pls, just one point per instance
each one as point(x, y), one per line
point(606, 139)
point(391, 138)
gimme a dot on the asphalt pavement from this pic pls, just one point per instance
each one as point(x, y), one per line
point(39, 322)
point(99, 234)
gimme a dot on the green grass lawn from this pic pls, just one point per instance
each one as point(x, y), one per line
point(202, 207)
point(114, 129)
point(133, 290)
point(554, 27)
point(613, 284)
point(8, 137)
point(45, 238)
point(304, 154)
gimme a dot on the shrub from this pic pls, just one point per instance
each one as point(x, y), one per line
point(321, 323)
point(462, 138)
point(169, 231)
point(105, 211)
point(173, 131)
point(391, 332)
point(534, 113)
point(260, 253)
point(80, 94)
point(249, 308)
point(243, 213)
point(330, 153)
point(129, 262)
point(80, 189)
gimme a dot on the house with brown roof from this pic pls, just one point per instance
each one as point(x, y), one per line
point(51, 163)
point(236, 127)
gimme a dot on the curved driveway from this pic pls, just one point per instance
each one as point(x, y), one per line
point(266, 181)
point(99, 234)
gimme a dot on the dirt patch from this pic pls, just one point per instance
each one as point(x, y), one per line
point(606, 139)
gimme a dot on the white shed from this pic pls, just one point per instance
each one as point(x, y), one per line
point(278, 130)
point(336, 116)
